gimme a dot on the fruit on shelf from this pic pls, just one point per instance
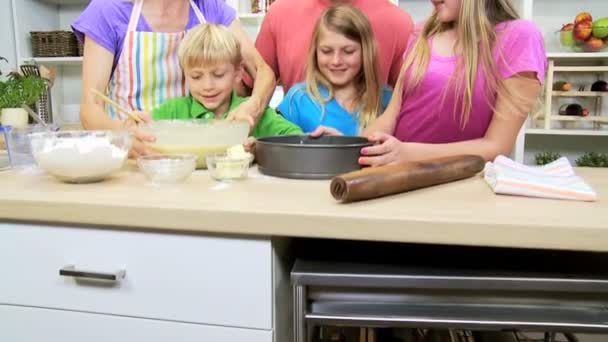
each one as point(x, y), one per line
point(584, 34)
point(573, 109)
point(599, 28)
point(566, 38)
point(582, 31)
point(562, 86)
point(599, 86)
point(594, 44)
point(583, 16)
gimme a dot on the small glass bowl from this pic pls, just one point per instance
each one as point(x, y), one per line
point(167, 168)
point(223, 167)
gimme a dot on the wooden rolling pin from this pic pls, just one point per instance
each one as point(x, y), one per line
point(373, 182)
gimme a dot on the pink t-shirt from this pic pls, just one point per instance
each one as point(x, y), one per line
point(287, 28)
point(432, 115)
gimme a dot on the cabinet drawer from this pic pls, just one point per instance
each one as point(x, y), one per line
point(187, 278)
point(68, 326)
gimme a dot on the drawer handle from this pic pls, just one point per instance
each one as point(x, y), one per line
point(71, 271)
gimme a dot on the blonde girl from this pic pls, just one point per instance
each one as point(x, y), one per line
point(471, 75)
point(342, 89)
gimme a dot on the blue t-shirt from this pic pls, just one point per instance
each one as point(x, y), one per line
point(300, 108)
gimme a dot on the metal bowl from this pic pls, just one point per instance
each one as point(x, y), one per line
point(305, 157)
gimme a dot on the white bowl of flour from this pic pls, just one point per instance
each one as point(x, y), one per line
point(80, 156)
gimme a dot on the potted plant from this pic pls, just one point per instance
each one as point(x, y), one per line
point(17, 90)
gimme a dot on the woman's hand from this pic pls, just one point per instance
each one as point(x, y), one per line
point(324, 130)
point(387, 150)
point(145, 116)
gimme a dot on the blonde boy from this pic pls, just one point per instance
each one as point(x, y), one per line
point(211, 59)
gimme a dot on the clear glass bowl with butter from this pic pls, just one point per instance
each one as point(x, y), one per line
point(199, 137)
point(232, 165)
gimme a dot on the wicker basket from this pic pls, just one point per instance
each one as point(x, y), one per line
point(80, 48)
point(54, 44)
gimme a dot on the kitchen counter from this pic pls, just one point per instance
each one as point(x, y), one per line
point(461, 213)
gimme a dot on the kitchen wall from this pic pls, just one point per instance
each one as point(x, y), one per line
point(7, 35)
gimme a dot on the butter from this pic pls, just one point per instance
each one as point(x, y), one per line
point(234, 164)
point(237, 152)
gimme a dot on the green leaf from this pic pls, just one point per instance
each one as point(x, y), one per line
point(543, 158)
point(18, 90)
point(593, 159)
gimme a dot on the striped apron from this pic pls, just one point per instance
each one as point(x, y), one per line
point(148, 71)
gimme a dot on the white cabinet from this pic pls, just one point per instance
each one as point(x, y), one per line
point(25, 324)
point(195, 279)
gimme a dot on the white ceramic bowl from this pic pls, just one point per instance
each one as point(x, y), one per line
point(174, 168)
point(80, 156)
point(198, 137)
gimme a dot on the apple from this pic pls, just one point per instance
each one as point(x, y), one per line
point(600, 28)
point(583, 16)
point(594, 44)
point(582, 31)
point(565, 35)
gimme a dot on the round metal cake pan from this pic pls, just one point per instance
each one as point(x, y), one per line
point(304, 157)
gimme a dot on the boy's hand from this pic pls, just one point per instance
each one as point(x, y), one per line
point(244, 112)
point(249, 145)
point(140, 137)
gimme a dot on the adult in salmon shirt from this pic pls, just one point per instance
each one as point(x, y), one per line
point(287, 28)
point(130, 51)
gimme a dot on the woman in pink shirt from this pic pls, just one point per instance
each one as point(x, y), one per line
point(470, 77)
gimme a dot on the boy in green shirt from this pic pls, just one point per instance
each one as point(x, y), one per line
point(211, 59)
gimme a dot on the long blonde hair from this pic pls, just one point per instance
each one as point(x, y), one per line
point(476, 37)
point(350, 22)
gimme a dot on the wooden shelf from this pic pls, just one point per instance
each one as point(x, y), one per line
point(603, 68)
point(574, 132)
point(589, 118)
point(54, 60)
point(577, 55)
point(580, 93)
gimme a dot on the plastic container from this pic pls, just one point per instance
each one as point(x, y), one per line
point(198, 137)
point(225, 167)
point(4, 137)
point(81, 156)
point(19, 147)
point(167, 168)
point(5, 161)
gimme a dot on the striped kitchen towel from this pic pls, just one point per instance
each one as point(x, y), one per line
point(554, 180)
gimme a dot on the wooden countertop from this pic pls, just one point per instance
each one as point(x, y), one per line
point(464, 212)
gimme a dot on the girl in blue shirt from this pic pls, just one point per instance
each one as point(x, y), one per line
point(342, 88)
